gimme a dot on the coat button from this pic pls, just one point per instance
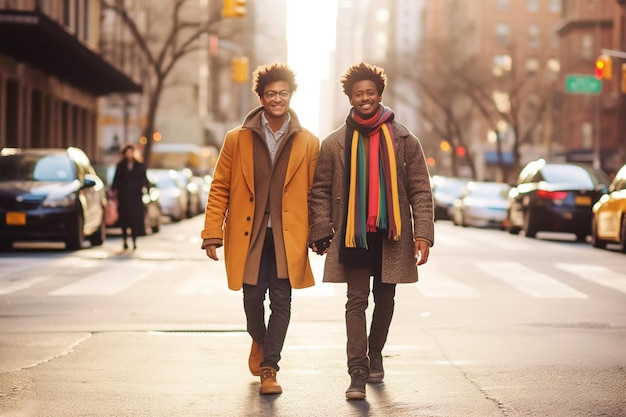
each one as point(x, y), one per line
point(245, 233)
point(251, 199)
point(248, 218)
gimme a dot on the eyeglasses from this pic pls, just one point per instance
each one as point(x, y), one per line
point(271, 94)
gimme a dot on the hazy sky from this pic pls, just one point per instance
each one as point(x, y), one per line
point(311, 37)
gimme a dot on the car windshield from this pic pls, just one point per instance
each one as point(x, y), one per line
point(490, 191)
point(164, 179)
point(568, 174)
point(24, 167)
point(450, 187)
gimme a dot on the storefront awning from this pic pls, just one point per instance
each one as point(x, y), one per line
point(35, 39)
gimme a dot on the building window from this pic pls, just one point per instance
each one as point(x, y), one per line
point(554, 6)
point(587, 47)
point(503, 34)
point(554, 40)
point(67, 13)
point(532, 65)
point(532, 6)
point(502, 64)
point(502, 4)
point(554, 65)
point(587, 135)
point(533, 36)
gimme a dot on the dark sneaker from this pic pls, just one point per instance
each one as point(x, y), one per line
point(377, 373)
point(356, 390)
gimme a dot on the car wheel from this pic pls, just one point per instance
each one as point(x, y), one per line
point(513, 230)
point(97, 239)
point(6, 245)
point(530, 228)
point(622, 233)
point(157, 223)
point(581, 237)
point(596, 242)
point(76, 236)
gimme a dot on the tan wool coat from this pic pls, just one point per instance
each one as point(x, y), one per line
point(231, 207)
point(327, 205)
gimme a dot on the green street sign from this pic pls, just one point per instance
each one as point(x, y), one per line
point(582, 84)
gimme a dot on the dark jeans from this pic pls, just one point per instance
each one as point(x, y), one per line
point(359, 344)
point(272, 336)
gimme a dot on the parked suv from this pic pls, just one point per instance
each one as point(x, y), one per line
point(555, 197)
point(50, 195)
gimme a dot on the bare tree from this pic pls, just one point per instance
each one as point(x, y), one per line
point(162, 53)
point(522, 103)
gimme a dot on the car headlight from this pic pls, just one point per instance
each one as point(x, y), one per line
point(67, 200)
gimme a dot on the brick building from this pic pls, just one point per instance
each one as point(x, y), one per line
point(51, 74)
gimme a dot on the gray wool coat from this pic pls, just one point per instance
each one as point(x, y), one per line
point(327, 205)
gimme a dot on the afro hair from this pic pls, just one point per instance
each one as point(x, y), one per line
point(360, 72)
point(267, 74)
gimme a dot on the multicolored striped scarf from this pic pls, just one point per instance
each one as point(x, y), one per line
point(372, 193)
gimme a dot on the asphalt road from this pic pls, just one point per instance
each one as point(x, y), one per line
point(498, 325)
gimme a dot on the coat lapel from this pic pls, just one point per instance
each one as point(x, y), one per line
point(298, 150)
point(246, 153)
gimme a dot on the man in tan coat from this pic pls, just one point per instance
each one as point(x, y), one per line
point(371, 212)
point(257, 209)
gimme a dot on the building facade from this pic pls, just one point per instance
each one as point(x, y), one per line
point(51, 74)
point(500, 59)
point(592, 126)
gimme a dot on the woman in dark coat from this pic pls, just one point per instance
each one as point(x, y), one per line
point(128, 183)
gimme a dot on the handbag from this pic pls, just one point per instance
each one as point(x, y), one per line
point(111, 214)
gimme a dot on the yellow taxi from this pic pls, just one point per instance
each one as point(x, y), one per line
point(609, 215)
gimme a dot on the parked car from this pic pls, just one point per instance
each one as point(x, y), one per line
point(50, 195)
point(609, 214)
point(445, 191)
point(204, 187)
point(194, 205)
point(174, 200)
point(151, 199)
point(481, 204)
point(555, 197)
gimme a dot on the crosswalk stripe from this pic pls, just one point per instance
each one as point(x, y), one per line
point(102, 283)
point(528, 281)
point(434, 283)
point(596, 274)
point(196, 284)
point(19, 284)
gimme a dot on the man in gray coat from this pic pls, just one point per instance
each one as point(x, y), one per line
point(371, 213)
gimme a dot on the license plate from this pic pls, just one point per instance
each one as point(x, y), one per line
point(16, 219)
point(583, 200)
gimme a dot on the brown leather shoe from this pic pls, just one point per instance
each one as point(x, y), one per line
point(255, 359)
point(268, 381)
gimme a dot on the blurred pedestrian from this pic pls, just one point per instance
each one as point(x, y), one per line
point(371, 213)
point(129, 183)
point(261, 183)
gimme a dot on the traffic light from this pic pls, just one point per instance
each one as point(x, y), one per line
point(233, 8)
point(603, 67)
point(239, 69)
point(624, 78)
point(460, 150)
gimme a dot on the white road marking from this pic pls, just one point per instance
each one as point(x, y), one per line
point(597, 275)
point(104, 282)
point(434, 283)
point(17, 284)
point(528, 280)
